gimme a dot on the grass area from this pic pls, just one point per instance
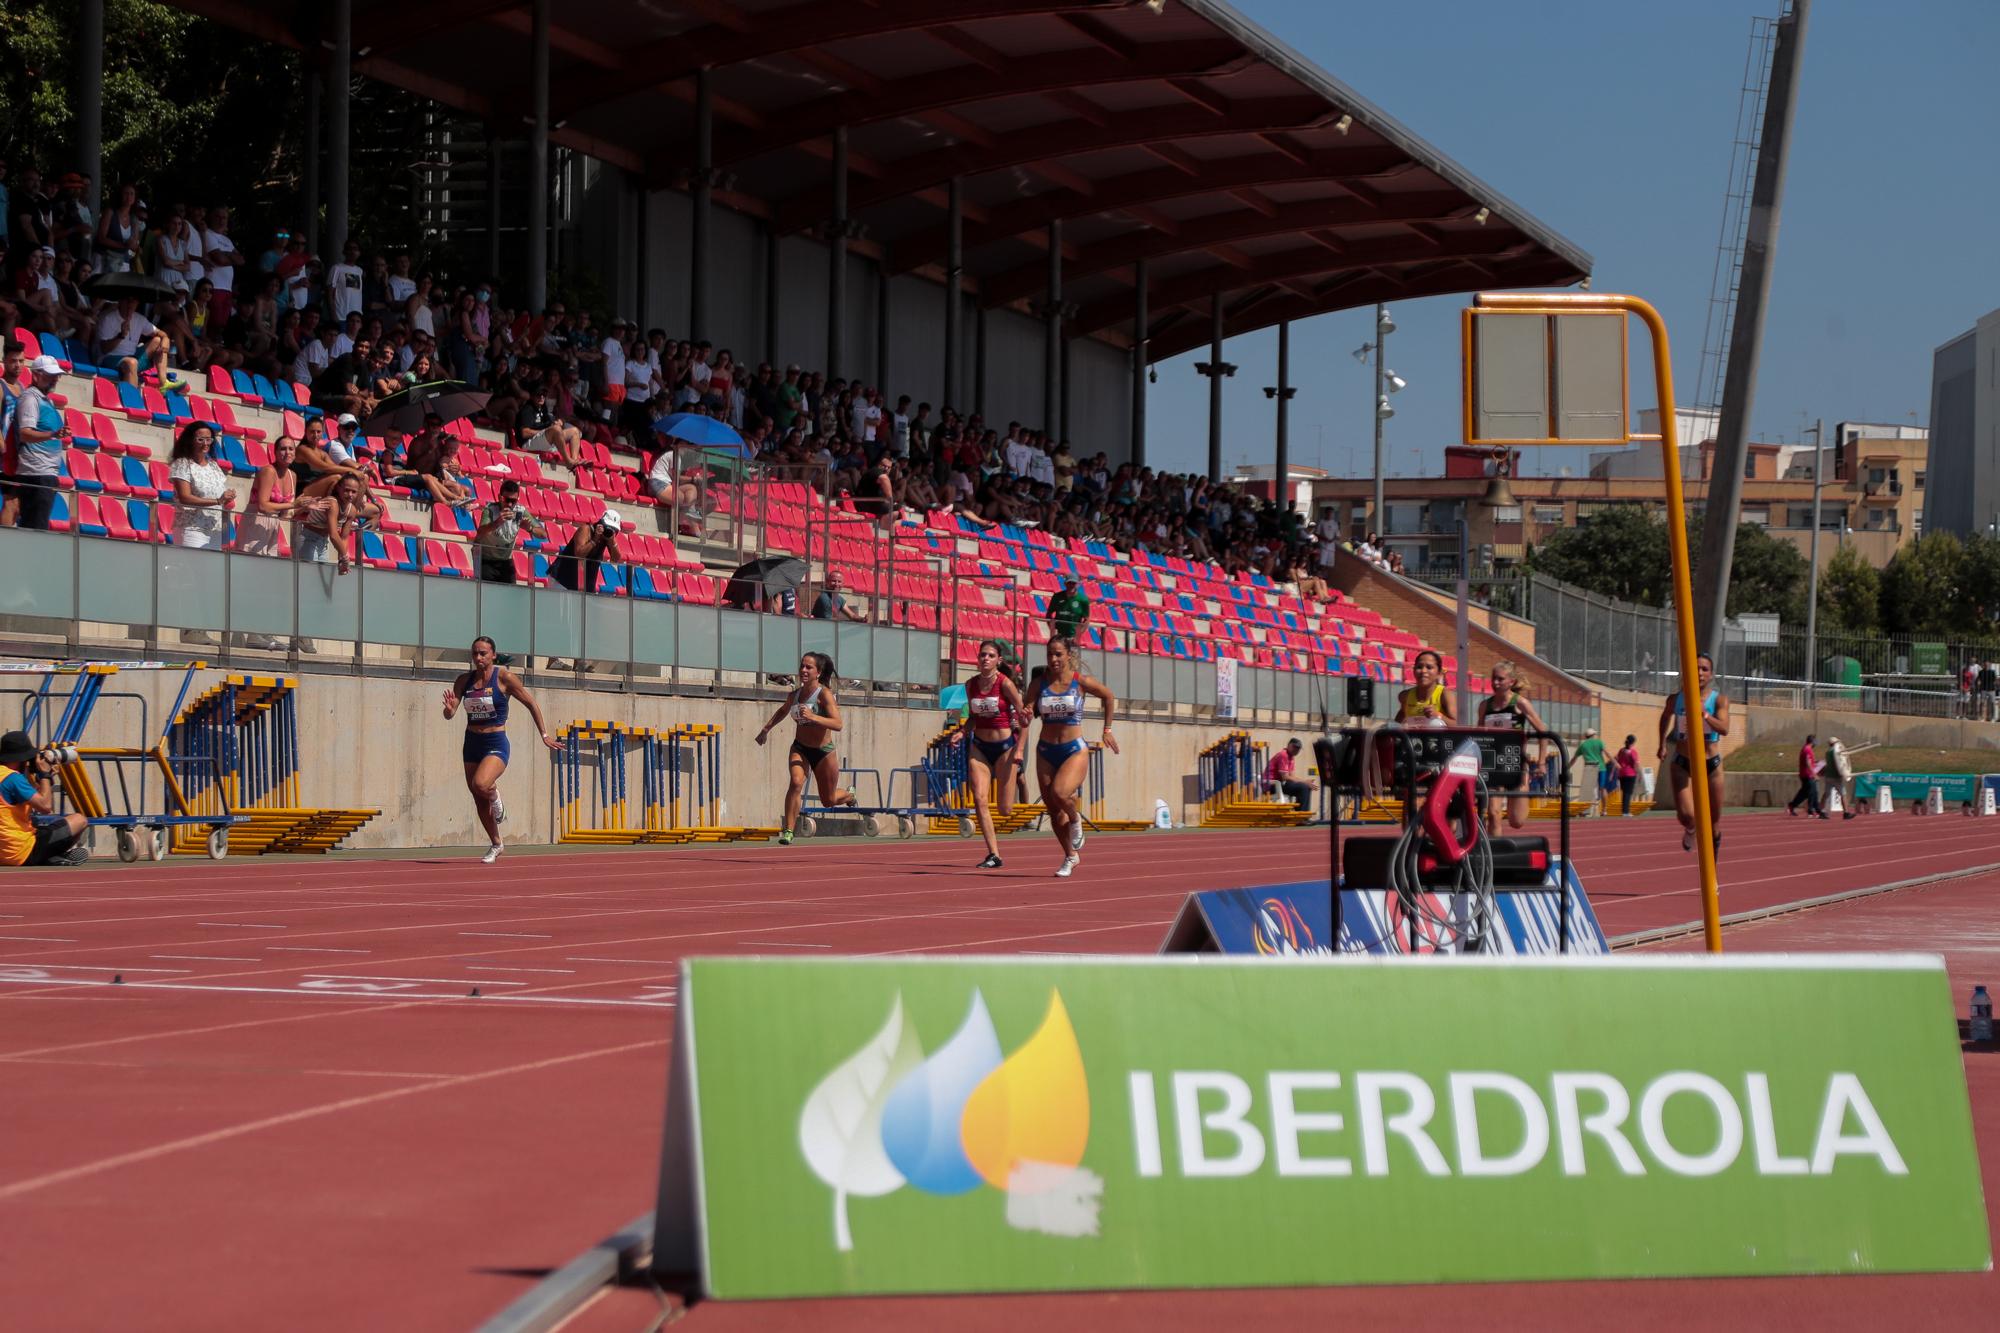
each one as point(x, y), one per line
point(1783, 757)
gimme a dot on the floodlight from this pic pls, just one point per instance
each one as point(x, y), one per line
point(1385, 324)
point(1344, 124)
point(1361, 352)
point(1383, 409)
point(1397, 383)
point(1481, 216)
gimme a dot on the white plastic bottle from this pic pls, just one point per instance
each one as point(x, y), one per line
point(1162, 817)
point(1982, 1014)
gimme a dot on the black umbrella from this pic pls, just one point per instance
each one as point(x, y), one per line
point(760, 581)
point(118, 286)
point(408, 410)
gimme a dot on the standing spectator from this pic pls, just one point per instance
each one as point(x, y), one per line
point(500, 525)
point(202, 498)
point(1069, 610)
point(1808, 793)
point(1627, 763)
point(401, 285)
point(41, 436)
point(75, 220)
point(334, 509)
point(1965, 689)
point(1984, 684)
point(32, 221)
point(1602, 781)
point(220, 260)
point(343, 283)
point(588, 547)
point(10, 402)
point(118, 233)
point(1836, 773)
point(1279, 776)
point(172, 246)
point(830, 605)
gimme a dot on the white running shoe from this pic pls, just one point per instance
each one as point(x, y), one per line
point(492, 854)
point(1076, 838)
point(1069, 864)
point(499, 811)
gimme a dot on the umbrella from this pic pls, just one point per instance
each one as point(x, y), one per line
point(408, 410)
point(117, 286)
point(760, 581)
point(707, 432)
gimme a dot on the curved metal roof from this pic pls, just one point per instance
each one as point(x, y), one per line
point(1188, 138)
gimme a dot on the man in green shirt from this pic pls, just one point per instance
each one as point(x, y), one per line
point(1068, 610)
point(1592, 752)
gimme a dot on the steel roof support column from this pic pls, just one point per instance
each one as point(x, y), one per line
point(836, 258)
point(1140, 319)
point(1215, 388)
point(1062, 419)
point(1052, 335)
point(954, 273)
point(979, 361)
point(538, 159)
point(771, 301)
point(704, 191)
point(308, 223)
point(493, 202)
point(882, 335)
point(90, 96)
point(1284, 397)
point(339, 80)
point(642, 248)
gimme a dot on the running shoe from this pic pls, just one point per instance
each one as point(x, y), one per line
point(785, 838)
point(499, 811)
point(992, 862)
point(1069, 864)
point(76, 855)
point(1687, 840)
point(492, 854)
point(1076, 838)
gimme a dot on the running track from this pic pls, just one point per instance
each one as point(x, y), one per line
point(292, 1108)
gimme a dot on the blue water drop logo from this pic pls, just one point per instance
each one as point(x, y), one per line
point(920, 1122)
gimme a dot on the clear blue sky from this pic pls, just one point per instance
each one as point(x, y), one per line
point(1611, 121)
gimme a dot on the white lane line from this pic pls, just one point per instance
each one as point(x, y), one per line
point(777, 944)
point(85, 967)
point(484, 967)
point(39, 939)
point(313, 948)
point(208, 957)
point(239, 925)
point(579, 999)
point(442, 981)
point(397, 998)
point(643, 962)
point(505, 935)
point(13, 916)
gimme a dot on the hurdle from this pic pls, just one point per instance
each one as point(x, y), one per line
point(1093, 810)
point(680, 786)
point(1231, 774)
point(241, 742)
point(945, 757)
point(589, 779)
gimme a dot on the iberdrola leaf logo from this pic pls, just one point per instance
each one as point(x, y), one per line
point(966, 1117)
point(840, 1130)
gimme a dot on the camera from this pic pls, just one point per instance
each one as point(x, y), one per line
point(55, 756)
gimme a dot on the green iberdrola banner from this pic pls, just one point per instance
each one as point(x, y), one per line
point(878, 1126)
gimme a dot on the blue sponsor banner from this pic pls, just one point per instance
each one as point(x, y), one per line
point(1282, 920)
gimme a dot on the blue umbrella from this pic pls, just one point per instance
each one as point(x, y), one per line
point(707, 432)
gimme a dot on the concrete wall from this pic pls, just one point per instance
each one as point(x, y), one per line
point(383, 744)
point(1793, 724)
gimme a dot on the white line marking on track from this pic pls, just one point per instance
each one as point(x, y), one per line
point(39, 939)
point(777, 944)
point(442, 981)
point(86, 967)
point(506, 935)
point(645, 962)
point(208, 958)
point(313, 948)
point(582, 999)
point(239, 925)
point(482, 967)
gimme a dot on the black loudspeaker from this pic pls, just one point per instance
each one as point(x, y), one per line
point(1360, 696)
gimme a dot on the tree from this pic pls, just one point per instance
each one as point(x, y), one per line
point(1767, 575)
point(1920, 588)
point(1849, 594)
point(1619, 551)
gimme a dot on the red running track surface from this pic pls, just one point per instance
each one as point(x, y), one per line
point(292, 1110)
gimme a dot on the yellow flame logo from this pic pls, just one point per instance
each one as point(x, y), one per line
point(1034, 1109)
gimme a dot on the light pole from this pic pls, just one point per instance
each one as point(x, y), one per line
point(1812, 580)
point(1283, 392)
point(1386, 382)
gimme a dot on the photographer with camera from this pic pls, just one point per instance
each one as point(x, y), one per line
point(27, 789)
point(500, 525)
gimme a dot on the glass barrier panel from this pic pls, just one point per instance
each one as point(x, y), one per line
point(854, 659)
point(655, 629)
point(607, 629)
point(389, 606)
point(506, 615)
point(740, 636)
point(260, 594)
point(114, 579)
point(558, 623)
point(51, 593)
point(451, 620)
point(815, 636)
point(891, 654)
point(699, 629)
point(779, 643)
point(192, 588)
point(330, 603)
point(1205, 685)
point(1183, 680)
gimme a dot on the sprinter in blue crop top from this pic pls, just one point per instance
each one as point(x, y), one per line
point(1062, 758)
point(483, 692)
point(1714, 726)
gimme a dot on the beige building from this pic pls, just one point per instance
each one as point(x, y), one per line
point(1871, 495)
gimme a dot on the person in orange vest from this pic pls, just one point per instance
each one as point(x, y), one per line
point(27, 789)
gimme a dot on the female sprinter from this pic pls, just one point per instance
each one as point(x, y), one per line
point(993, 702)
point(812, 705)
point(485, 691)
point(1508, 709)
point(1062, 760)
point(1426, 701)
point(1714, 726)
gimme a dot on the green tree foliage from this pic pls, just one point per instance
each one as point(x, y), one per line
point(1849, 594)
point(1920, 588)
point(1622, 552)
point(1767, 575)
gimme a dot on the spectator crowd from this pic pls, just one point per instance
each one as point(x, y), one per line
point(370, 323)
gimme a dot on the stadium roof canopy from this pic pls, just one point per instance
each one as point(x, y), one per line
point(1188, 138)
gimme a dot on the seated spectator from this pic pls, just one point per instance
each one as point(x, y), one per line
point(539, 430)
point(830, 604)
point(500, 526)
point(319, 457)
point(589, 546)
point(27, 789)
point(444, 479)
point(315, 353)
point(342, 386)
point(40, 436)
point(684, 497)
point(1279, 779)
point(202, 498)
point(878, 489)
point(42, 302)
point(128, 337)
